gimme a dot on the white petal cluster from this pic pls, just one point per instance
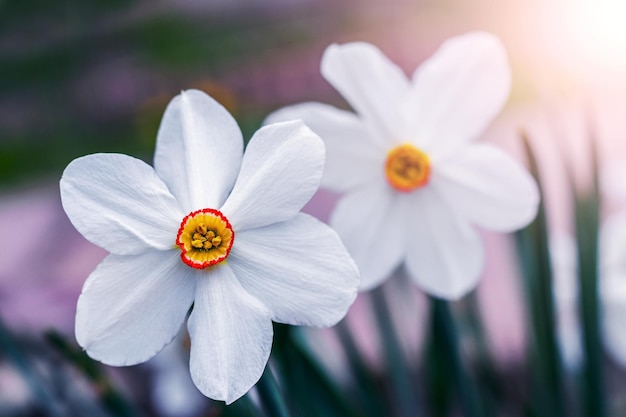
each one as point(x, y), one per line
point(284, 265)
point(441, 110)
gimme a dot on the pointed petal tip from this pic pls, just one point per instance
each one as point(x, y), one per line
point(197, 131)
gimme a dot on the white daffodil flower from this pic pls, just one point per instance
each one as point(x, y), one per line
point(210, 227)
point(611, 291)
point(415, 182)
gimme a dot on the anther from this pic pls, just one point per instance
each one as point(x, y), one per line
point(205, 238)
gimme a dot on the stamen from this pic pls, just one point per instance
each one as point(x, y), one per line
point(407, 168)
point(205, 238)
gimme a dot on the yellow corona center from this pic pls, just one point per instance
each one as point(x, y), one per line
point(205, 238)
point(407, 168)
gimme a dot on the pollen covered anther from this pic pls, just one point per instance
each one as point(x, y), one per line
point(407, 168)
point(205, 238)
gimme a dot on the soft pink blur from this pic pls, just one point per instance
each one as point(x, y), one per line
point(43, 262)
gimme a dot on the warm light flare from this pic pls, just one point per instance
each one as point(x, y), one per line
point(599, 29)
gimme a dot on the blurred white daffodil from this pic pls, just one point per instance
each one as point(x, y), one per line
point(415, 182)
point(611, 291)
point(210, 227)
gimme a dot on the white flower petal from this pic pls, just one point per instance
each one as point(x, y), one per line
point(353, 157)
point(445, 254)
point(373, 85)
point(280, 172)
point(457, 92)
point(372, 224)
point(488, 187)
point(299, 269)
point(231, 337)
point(198, 151)
point(132, 306)
point(118, 203)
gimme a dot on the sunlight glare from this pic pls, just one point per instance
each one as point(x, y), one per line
point(599, 30)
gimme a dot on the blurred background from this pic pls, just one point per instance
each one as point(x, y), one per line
point(78, 77)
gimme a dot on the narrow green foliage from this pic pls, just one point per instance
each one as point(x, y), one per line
point(446, 333)
point(243, 407)
point(546, 380)
point(110, 399)
point(10, 349)
point(368, 387)
point(439, 383)
point(271, 396)
point(309, 390)
point(486, 371)
point(403, 392)
point(587, 226)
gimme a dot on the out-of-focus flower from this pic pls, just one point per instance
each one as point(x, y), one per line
point(415, 182)
point(209, 227)
point(611, 291)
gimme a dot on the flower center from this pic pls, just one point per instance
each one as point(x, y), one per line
point(205, 238)
point(407, 168)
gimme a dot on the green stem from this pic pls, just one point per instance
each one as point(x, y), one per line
point(587, 226)
point(109, 397)
point(270, 395)
point(308, 387)
point(243, 407)
point(405, 395)
point(368, 390)
point(487, 371)
point(546, 379)
point(466, 387)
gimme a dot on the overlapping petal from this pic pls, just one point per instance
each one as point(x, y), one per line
point(134, 303)
point(449, 102)
point(231, 336)
point(118, 203)
point(132, 306)
point(488, 187)
point(280, 172)
point(353, 157)
point(199, 150)
point(374, 86)
point(457, 92)
point(372, 224)
point(299, 269)
point(444, 252)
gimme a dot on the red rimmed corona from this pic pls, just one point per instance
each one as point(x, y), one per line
point(205, 238)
